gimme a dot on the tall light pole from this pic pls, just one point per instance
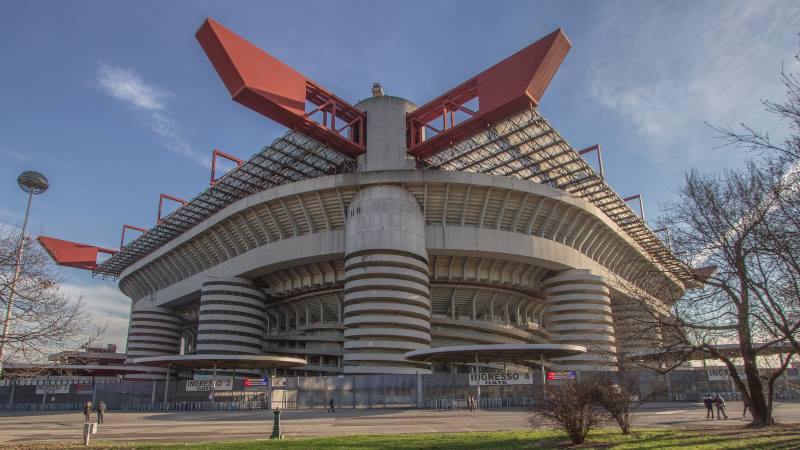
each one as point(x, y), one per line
point(33, 183)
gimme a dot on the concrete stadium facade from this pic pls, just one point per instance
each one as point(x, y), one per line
point(353, 270)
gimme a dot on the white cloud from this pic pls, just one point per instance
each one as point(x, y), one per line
point(674, 67)
point(16, 155)
point(128, 86)
point(9, 214)
point(165, 127)
point(107, 307)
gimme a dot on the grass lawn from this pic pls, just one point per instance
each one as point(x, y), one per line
point(779, 437)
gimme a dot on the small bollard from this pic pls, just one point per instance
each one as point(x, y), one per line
point(88, 430)
point(276, 426)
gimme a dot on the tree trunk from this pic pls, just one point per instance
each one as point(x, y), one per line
point(625, 424)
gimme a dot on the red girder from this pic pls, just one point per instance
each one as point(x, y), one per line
point(264, 84)
point(510, 86)
point(168, 197)
point(220, 154)
point(599, 152)
point(72, 254)
point(641, 203)
point(128, 227)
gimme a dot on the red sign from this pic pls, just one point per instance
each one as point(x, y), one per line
point(561, 375)
point(248, 382)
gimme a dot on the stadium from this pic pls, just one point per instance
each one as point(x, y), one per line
point(370, 235)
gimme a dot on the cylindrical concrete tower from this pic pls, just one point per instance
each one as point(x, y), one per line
point(231, 319)
point(387, 292)
point(153, 331)
point(579, 312)
point(386, 134)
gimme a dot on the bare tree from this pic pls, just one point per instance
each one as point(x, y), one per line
point(778, 259)
point(620, 395)
point(743, 228)
point(571, 406)
point(43, 318)
point(722, 221)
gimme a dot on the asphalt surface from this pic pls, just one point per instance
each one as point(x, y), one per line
point(240, 425)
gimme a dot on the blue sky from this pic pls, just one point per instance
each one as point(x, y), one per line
point(116, 103)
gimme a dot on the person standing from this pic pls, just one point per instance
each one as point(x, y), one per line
point(101, 409)
point(720, 402)
point(87, 411)
point(331, 409)
point(709, 404)
point(471, 403)
point(744, 413)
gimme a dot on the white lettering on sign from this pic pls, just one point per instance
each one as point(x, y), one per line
point(52, 389)
point(723, 374)
point(499, 379)
point(222, 384)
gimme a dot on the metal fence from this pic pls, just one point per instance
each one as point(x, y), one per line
point(435, 391)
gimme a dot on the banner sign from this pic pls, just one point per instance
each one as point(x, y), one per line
point(561, 375)
point(222, 384)
point(52, 389)
point(723, 374)
point(500, 379)
point(256, 384)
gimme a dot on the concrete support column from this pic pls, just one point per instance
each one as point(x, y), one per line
point(232, 317)
point(578, 311)
point(387, 293)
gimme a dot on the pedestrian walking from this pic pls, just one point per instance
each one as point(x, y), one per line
point(101, 410)
point(471, 403)
point(331, 409)
point(720, 403)
point(87, 411)
point(709, 404)
point(744, 413)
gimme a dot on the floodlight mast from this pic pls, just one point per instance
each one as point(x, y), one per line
point(34, 183)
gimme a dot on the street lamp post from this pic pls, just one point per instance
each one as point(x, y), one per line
point(33, 183)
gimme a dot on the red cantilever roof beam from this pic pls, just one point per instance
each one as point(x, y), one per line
point(266, 85)
point(508, 87)
point(72, 254)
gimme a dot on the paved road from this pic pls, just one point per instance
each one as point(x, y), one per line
point(216, 426)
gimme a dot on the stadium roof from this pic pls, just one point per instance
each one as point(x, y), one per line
point(524, 146)
point(292, 157)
